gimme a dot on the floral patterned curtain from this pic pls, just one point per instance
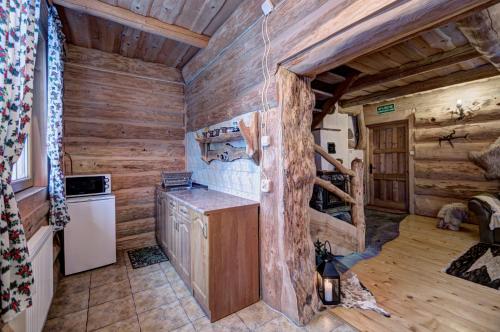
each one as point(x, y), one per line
point(18, 39)
point(58, 215)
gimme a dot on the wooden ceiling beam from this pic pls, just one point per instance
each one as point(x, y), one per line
point(458, 77)
point(433, 62)
point(330, 78)
point(136, 21)
point(339, 91)
point(482, 29)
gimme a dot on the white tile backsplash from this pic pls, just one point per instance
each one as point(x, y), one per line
point(240, 177)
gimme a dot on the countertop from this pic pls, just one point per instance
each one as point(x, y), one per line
point(209, 201)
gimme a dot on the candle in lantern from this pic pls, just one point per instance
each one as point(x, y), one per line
point(328, 290)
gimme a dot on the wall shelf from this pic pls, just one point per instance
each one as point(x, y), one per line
point(226, 153)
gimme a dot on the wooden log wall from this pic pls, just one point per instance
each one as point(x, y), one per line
point(442, 173)
point(125, 117)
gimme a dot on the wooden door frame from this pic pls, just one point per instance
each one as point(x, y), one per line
point(369, 156)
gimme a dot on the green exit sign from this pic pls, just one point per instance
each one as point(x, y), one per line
point(386, 108)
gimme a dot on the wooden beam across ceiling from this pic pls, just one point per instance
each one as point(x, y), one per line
point(339, 91)
point(136, 21)
point(463, 76)
point(433, 62)
point(482, 29)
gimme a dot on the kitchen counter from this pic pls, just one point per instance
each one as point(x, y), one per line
point(208, 201)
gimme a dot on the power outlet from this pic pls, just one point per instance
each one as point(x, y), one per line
point(267, 7)
point(265, 185)
point(265, 141)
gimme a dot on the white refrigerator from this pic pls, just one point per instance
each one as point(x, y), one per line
point(90, 237)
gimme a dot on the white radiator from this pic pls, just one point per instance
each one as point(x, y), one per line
point(41, 255)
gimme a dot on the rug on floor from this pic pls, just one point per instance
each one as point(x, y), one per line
point(381, 227)
point(143, 257)
point(356, 295)
point(480, 264)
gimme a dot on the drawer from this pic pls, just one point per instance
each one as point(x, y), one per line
point(184, 211)
point(172, 205)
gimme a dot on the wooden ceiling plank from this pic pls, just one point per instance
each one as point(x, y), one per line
point(459, 77)
point(330, 78)
point(433, 62)
point(482, 31)
point(136, 21)
point(166, 10)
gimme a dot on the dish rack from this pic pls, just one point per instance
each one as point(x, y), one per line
point(176, 179)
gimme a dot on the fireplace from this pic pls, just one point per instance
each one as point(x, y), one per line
point(322, 199)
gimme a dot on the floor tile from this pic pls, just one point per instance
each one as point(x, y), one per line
point(186, 328)
point(192, 308)
point(172, 275)
point(324, 322)
point(257, 314)
point(280, 324)
point(73, 284)
point(345, 328)
point(143, 270)
point(180, 289)
point(129, 325)
point(166, 266)
point(63, 304)
point(110, 312)
point(146, 281)
point(230, 323)
point(154, 297)
point(107, 275)
point(75, 322)
point(109, 292)
point(165, 318)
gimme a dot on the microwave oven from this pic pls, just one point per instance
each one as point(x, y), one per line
point(87, 185)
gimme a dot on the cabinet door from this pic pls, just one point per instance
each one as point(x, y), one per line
point(184, 250)
point(199, 259)
point(168, 226)
point(174, 240)
point(164, 224)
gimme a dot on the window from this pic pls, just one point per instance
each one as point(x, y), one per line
point(31, 161)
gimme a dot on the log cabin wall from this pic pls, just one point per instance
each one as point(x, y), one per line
point(442, 173)
point(125, 117)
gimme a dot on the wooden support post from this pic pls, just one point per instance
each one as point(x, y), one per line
point(358, 212)
point(287, 251)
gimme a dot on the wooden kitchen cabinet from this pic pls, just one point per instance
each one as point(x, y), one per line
point(213, 246)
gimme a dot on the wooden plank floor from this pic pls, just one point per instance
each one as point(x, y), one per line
point(407, 280)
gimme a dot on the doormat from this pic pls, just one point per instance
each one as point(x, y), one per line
point(146, 256)
point(480, 264)
point(381, 227)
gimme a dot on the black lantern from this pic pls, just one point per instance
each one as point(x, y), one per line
point(328, 280)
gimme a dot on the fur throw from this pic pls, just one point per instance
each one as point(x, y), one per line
point(452, 215)
point(489, 160)
point(356, 295)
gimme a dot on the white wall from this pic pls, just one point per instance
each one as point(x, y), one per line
point(240, 177)
point(334, 128)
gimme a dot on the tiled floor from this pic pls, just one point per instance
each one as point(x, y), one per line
point(154, 298)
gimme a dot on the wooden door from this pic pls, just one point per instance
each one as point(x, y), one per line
point(184, 249)
point(199, 258)
point(388, 166)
